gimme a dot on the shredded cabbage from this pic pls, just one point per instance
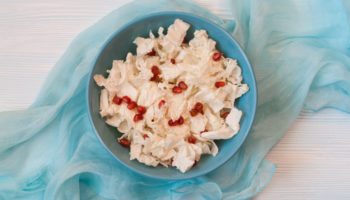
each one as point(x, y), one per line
point(152, 140)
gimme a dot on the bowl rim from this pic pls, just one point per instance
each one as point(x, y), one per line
point(177, 13)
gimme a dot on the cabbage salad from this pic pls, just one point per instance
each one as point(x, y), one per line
point(173, 98)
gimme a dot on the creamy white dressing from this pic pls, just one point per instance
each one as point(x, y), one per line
point(152, 140)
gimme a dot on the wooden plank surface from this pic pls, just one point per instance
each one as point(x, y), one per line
point(313, 157)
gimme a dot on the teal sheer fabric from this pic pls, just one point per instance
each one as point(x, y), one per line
point(299, 50)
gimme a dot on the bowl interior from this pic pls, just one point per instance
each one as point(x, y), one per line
point(122, 43)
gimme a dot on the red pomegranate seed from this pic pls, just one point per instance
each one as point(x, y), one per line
point(125, 142)
point(182, 85)
point(155, 78)
point(217, 56)
point(224, 115)
point(172, 61)
point(198, 107)
point(145, 136)
point(155, 70)
point(180, 121)
point(138, 117)
point(141, 109)
point(177, 89)
point(161, 103)
point(126, 99)
point(132, 105)
point(205, 130)
point(117, 100)
point(184, 41)
point(172, 123)
point(191, 139)
point(219, 84)
point(193, 112)
point(171, 161)
point(152, 53)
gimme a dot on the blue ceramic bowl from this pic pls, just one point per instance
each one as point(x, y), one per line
point(121, 43)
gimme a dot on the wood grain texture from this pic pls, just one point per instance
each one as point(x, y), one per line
point(313, 158)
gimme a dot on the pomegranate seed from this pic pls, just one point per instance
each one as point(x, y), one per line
point(224, 115)
point(152, 53)
point(191, 139)
point(172, 61)
point(132, 105)
point(171, 161)
point(220, 84)
point(184, 41)
point(145, 136)
point(117, 100)
point(161, 103)
point(193, 112)
point(205, 130)
point(138, 117)
point(180, 121)
point(198, 107)
point(156, 78)
point(172, 123)
point(155, 70)
point(182, 85)
point(126, 99)
point(217, 56)
point(125, 142)
point(177, 90)
point(141, 109)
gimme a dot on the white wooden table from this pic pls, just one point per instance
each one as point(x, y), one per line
point(313, 158)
